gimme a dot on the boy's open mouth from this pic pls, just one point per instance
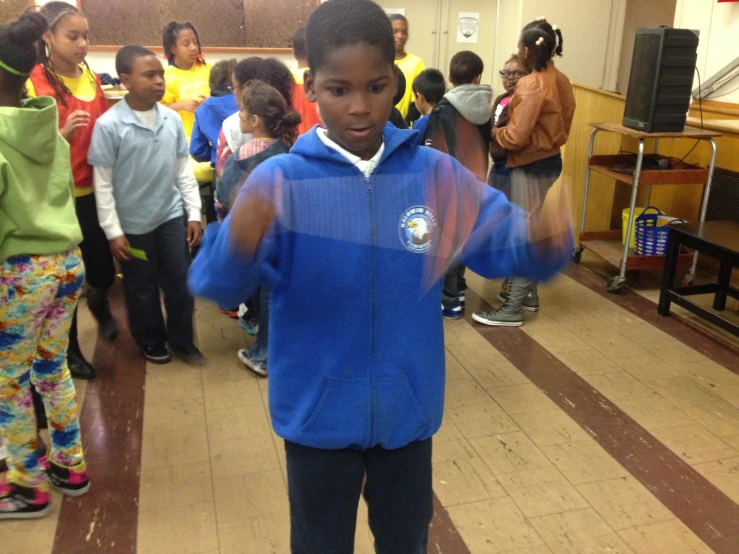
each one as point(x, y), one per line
point(360, 132)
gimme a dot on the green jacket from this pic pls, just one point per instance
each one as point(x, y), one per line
point(37, 210)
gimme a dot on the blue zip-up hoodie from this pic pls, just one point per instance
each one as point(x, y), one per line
point(354, 263)
point(209, 119)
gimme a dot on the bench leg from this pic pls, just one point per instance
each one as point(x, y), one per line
point(668, 277)
point(724, 277)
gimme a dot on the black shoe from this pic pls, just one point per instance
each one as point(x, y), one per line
point(78, 366)
point(97, 302)
point(190, 354)
point(157, 354)
point(108, 330)
point(17, 502)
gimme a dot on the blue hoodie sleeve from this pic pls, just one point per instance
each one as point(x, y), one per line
point(498, 245)
point(200, 147)
point(224, 275)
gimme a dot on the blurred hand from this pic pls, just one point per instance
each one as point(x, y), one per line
point(250, 220)
point(76, 120)
point(191, 105)
point(194, 233)
point(119, 248)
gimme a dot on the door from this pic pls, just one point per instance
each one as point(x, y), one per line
point(423, 27)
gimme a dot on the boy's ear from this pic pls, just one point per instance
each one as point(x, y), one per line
point(309, 86)
point(477, 79)
point(125, 79)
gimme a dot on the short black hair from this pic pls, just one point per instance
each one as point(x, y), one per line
point(465, 67)
point(397, 17)
point(339, 23)
point(430, 83)
point(298, 44)
point(127, 56)
point(18, 45)
point(246, 69)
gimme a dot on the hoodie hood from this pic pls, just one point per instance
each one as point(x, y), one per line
point(310, 146)
point(31, 130)
point(223, 106)
point(472, 101)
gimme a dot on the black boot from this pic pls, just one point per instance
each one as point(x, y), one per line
point(97, 302)
point(78, 366)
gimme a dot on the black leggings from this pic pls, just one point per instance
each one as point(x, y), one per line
point(99, 266)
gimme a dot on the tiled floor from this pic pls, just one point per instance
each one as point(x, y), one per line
point(516, 466)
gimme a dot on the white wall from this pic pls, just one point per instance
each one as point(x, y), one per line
point(719, 30)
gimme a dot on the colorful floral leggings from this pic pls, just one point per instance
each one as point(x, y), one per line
point(38, 295)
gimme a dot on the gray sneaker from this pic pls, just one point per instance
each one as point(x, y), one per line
point(530, 301)
point(505, 316)
point(260, 368)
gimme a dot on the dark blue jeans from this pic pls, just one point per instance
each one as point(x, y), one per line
point(166, 268)
point(259, 350)
point(325, 485)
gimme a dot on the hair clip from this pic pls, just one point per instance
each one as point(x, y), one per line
point(554, 27)
point(541, 18)
point(540, 41)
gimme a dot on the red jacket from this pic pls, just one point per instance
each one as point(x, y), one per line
point(80, 144)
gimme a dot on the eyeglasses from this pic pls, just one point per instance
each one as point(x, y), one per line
point(518, 73)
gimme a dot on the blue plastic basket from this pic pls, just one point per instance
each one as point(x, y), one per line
point(651, 239)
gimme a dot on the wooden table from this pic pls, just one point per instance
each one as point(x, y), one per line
point(718, 239)
point(607, 244)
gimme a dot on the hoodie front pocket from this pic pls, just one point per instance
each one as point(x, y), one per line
point(400, 417)
point(340, 418)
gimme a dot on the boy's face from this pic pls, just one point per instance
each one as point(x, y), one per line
point(400, 34)
point(146, 80)
point(354, 90)
point(423, 105)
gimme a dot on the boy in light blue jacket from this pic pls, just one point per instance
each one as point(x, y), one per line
point(358, 209)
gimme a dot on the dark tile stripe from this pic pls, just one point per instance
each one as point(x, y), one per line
point(106, 519)
point(707, 511)
point(700, 339)
point(443, 535)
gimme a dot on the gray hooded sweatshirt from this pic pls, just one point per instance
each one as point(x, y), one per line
point(472, 101)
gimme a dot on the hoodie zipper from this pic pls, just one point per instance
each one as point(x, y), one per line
point(373, 300)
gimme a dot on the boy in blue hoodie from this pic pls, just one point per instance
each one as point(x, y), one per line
point(210, 116)
point(357, 376)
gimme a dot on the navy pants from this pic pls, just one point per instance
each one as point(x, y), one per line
point(166, 268)
point(325, 485)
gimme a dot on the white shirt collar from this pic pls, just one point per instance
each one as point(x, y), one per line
point(367, 167)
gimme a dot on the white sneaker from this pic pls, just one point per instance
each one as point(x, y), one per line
point(260, 368)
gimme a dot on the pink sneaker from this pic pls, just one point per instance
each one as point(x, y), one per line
point(17, 502)
point(71, 481)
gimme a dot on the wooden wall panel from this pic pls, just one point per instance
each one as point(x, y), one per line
point(220, 23)
point(10, 9)
point(592, 106)
point(272, 23)
point(122, 22)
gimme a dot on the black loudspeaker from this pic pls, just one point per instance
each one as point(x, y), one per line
point(661, 79)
